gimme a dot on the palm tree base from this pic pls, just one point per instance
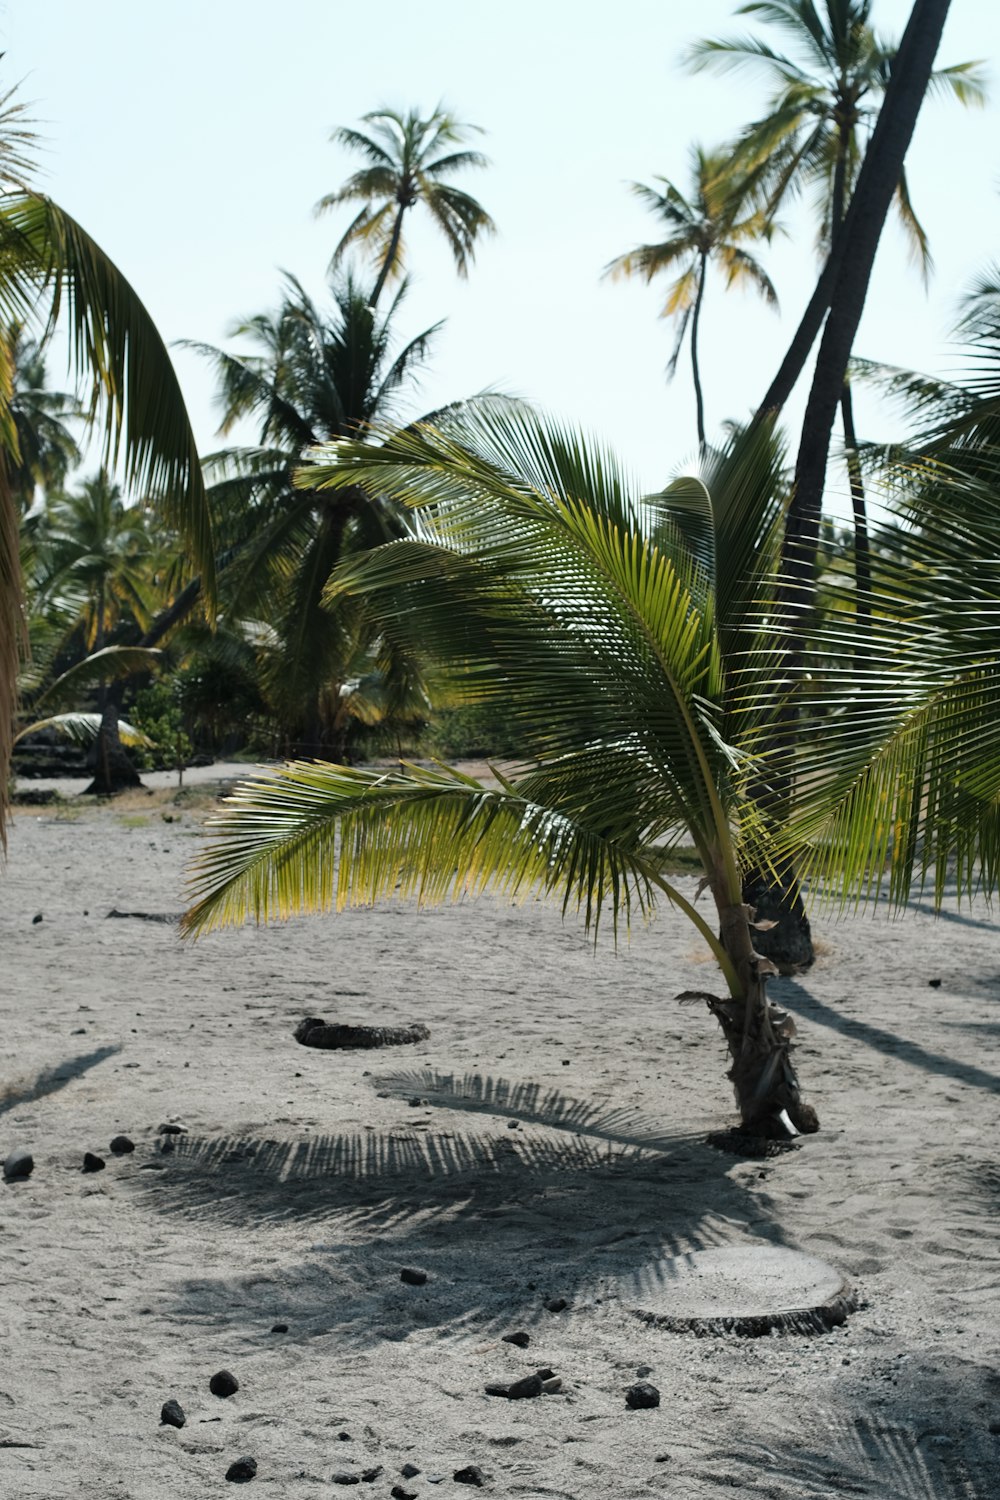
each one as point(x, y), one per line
point(114, 772)
point(788, 944)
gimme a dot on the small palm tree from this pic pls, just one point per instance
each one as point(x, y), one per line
point(410, 160)
point(607, 625)
point(712, 225)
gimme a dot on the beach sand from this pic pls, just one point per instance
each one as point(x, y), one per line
point(547, 1141)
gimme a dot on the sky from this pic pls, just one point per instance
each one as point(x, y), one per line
point(193, 140)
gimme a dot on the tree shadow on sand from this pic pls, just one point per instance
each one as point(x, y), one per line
point(50, 1080)
point(577, 1202)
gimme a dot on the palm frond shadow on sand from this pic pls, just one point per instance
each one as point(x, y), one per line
point(501, 1219)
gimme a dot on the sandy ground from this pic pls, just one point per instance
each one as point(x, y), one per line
point(307, 1180)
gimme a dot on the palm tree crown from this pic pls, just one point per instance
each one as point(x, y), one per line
point(409, 161)
point(712, 224)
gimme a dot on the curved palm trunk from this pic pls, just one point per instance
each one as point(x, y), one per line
point(695, 317)
point(862, 546)
point(390, 255)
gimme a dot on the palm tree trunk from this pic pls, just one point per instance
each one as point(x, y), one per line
point(390, 255)
point(862, 547)
point(695, 316)
point(758, 1034)
point(114, 772)
point(12, 631)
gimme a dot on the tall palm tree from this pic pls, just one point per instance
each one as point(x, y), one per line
point(311, 377)
point(605, 624)
point(49, 266)
point(712, 225)
point(46, 447)
point(827, 90)
point(410, 160)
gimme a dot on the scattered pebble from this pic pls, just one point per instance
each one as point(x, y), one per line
point(38, 917)
point(398, 1492)
point(370, 1475)
point(121, 1146)
point(242, 1470)
point(172, 1130)
point(521, 1389)
point(557, 1304)
point(643, 1371)
point(545, 1373)
point(513, 1124)
point(521, 1339)
point(495, 1388)
point(412, 1277)
point(18, 1165)
point(662, 1458)
point(223, 1383)
point(642, 1395)
point(283, 1328)
point(92, 1163)
point(409, 1471)
point(471, 1474)
point(345, 1478)
point(172, 1414)
point(345, 1437)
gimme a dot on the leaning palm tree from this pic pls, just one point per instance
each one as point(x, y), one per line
point(827, 90)
point(49, 265)
point(410, 160)
point(607, 625)
point(711, 226)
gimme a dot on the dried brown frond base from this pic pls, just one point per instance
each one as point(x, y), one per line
point(805, 1322)
point(753, 1147)
point(314, 1032)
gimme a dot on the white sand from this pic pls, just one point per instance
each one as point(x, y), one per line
point(307, 1180)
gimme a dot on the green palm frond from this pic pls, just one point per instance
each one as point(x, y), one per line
point(83, 729)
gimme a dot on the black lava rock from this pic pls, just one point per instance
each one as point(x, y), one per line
point(521, 1339)
point(643, 1371)
point(345, 1437)
point(413, 1277)
point(172, 1130)
point(471, 1474)
point(223, 1383)
point(92, 1163)
point(121, 1146)
point(399, 1493)
point(545, 1373)
point(345, 1478)
point(556, 1304)
point(242, 1470)
point(521, 1389)
point(279, 1327)
point(172, 1414)
point(37, 918)
point(409, 1471)
point(18, 1165)
point(642, 1395)
point(370, 1475)
point(495, 1388)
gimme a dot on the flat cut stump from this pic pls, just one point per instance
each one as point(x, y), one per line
point(748, 1290)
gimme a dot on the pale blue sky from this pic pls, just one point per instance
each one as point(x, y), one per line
point(192, 140)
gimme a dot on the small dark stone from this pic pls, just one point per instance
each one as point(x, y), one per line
point(18, 1165)
point(556, 1304)
point(471, 1474)
point(92, 1163)
point(412, 1277)
point(398, 1492)
point(642, 1395)
point(409, 1471)
point(223, 1383)
point(644, 1370)
point(495, 1388)
point(172, 1414)
point(37, 918)
point(345, 1478)
point(121, 1146)
point(280, 1328)
point(79, 1031)
point(935, 984)
point(545, 1373)
point(662, 1458)
point(513, 1124)
point(242, 1470)
point(531, 1385)
point(521, 1339)
point(345, 1437)
point(172, 1130)
point(370, 1475)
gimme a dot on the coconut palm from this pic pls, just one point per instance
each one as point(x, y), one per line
point(607, 625)
point(46, 447)
point(312, 376)
point(410, 160)
point(712, 225)
point(827, 90)
point(49, 265)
